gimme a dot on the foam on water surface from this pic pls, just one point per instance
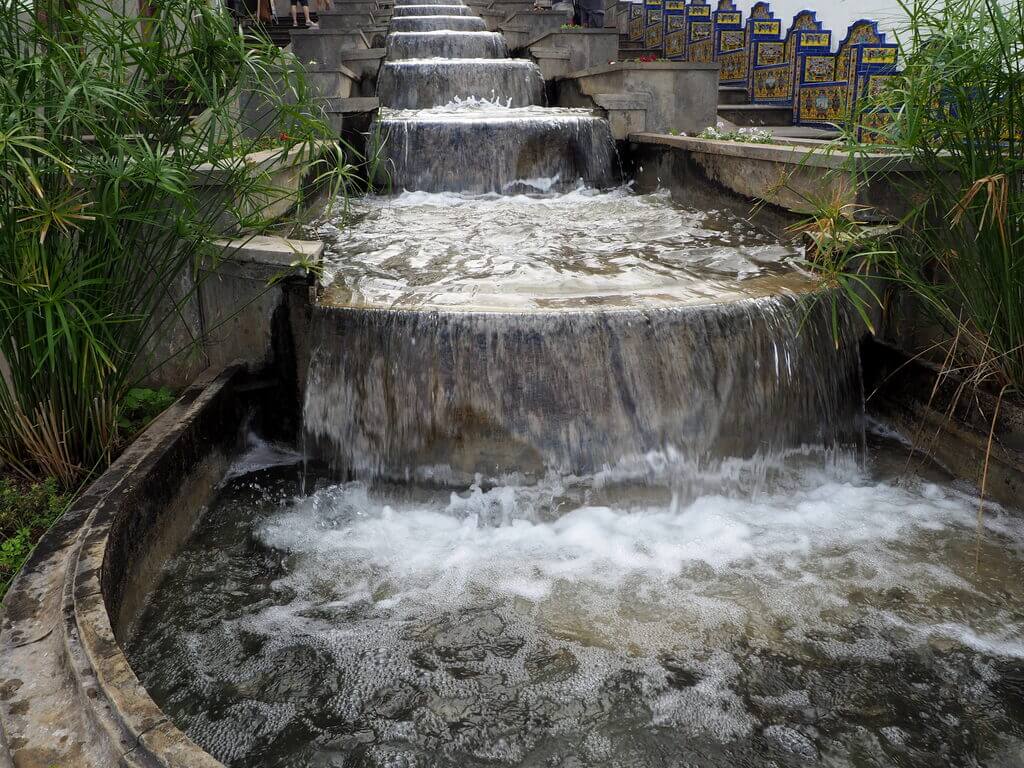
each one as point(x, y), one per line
point(824, 613)
point(582, 249)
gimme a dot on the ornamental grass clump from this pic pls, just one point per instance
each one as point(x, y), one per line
point(105, 115)
point(957, 113)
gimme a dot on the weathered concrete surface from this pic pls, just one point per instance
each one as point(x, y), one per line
point(280, 172)
point(327, 48)
point(553, 63)
point(586, 47)
point(626, 112)
point(522, 27)
point(792, 175)
point(231, 316)
point(364, 63)
point(332, 83)
point(346, 19)
point(947, 425)
point(684, 95)
point(68, 696)
point(242, 295)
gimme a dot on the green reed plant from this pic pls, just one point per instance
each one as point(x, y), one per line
point(957, 113)
point(105, 116)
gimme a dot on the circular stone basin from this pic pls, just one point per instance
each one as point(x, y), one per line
point(761, 616)
point(582, 250)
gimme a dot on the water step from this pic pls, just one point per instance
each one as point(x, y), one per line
point(508, 151)
point(756, 114)
point(438, 24)
point(445, 45)
point(732, 94)
point(432, 10)
point(425, 83)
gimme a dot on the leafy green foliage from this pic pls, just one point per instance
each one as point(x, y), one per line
point(957, 113)
point(140, 406)
point(106, 117)
point(26, 511)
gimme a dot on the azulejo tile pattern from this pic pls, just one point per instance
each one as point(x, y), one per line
point(793, 66)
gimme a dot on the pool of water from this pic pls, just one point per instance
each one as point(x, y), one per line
point(804, 610)
point(549, 251)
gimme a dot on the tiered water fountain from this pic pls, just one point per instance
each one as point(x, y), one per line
point(604, 501)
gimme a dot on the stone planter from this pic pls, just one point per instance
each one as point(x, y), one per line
point(788, 175)
point(586, 48)
point(344, 19)
point(553, 62)
point(523, 27)
point(684, 95)
point(332, 82)
point(326, 48)
point(283, 176)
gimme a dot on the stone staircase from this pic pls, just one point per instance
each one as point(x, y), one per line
point(734, 107)
point(279, 32)
point(634, 50)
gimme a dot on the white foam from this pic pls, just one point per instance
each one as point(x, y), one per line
point(789, 556)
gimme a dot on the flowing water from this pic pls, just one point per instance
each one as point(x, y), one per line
point(765, 614)
point(584, 482)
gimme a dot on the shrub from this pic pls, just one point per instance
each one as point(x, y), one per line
point(104, 117)
point(958, 111)
point(26, 511)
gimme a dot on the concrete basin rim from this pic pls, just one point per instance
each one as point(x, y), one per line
point(118, 707)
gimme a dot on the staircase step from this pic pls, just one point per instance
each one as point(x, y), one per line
point(636, 53)
point(732, 94)
point(756, 114)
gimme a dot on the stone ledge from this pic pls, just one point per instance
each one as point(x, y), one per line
point(68, 695)
point(646, 65)
point(630, 101)
point(353, 105)
point(818, 156)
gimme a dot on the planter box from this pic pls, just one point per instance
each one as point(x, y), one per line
point(326, 47)
point(586, 48)
point(684, 95)
point(789, 175)
point(552, 62)
point(344, 19)
point(522, 27)
point(284, 174)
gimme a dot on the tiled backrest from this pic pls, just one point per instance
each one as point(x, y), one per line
point(675, 29)
point(653, 24)
point(774, 70)
point(729, 42)
point(699, 27)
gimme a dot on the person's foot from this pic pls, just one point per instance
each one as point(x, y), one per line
point(313, 25)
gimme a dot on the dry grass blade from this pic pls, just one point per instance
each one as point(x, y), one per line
point(997, 202)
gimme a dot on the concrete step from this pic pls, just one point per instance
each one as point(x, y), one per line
point(756, 114)
point(636, 53)
point(354, 104)
point(732, 94)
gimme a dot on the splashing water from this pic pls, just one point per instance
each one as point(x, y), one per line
point(819, 615)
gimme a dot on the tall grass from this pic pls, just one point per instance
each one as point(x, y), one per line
point(104, 115)
point(958, 111)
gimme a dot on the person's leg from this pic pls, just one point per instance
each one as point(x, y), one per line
point(295, 18)
point(305, 11)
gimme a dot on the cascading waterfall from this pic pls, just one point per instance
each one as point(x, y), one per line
point(596, 506)
point(480, 393)
point(422, 83)
point(588, 366)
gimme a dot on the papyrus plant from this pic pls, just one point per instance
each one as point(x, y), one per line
point(105, 115)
